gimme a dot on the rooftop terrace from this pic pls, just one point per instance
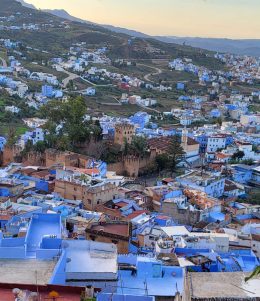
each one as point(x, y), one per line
point(223, 285)
point(29, 271)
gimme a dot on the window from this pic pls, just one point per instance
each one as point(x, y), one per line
point(89, 202)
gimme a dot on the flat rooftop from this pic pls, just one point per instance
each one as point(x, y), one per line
point(147, 285)
point(199, 176)
point(90, 260)
point(220, 285)
point(19, 271)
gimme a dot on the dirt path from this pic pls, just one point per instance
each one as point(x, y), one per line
point(147, 76)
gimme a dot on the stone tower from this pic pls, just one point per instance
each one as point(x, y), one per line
point(124, 132)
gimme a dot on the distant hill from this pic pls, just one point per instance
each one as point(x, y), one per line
point(65, 15)
point(129, 32)
point(56, 39)
point(241, 47)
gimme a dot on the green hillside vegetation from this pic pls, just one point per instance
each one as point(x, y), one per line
point(147, 56)
point(57, 40)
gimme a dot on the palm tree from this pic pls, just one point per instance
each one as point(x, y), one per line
point(255, 273)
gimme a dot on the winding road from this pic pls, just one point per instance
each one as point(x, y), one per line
point(71, 76)
point(147, 76)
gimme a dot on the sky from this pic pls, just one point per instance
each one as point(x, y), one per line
point(201, 18)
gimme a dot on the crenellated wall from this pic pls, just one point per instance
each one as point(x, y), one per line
point(130, 166)
point(11, 154)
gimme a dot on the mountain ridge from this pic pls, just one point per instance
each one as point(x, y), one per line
point(26, 4)
point(236, 46)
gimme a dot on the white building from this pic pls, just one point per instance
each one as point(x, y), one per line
point(34, 122)
point(212, 184)
point(22, 90)
point(216, 142)
point(218, 242)
point(185, 120)
point(90, 91)
point(12, 109)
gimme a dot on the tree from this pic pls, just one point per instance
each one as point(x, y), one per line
point(238, 155)
point(40, 146)
point(11, 136)
point(111, 153)
point(175, 151)
point(255, 148)
point(27, 148)
point(96, 131)
point(138, 146)
point(70, 85)
point(162, 161)
point(69, 118)
point(126, 147)
point(248, 162)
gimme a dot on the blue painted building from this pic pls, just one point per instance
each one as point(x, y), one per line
point(203, 142)
point(140, 119)
point(215, 113)
point(47, 91)
point(206, 260)
point(229, 140)
point(180, 86)
point(242, 173)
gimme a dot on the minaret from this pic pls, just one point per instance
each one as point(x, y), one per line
point(184, 139)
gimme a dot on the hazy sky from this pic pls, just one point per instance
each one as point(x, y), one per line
point(205, 18)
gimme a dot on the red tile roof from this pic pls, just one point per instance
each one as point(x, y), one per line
point(223, 156)
point(161, 143)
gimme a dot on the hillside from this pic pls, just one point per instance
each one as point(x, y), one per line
point(57, 39)
point(26, 4)
point(65, 15)
point(241, 47)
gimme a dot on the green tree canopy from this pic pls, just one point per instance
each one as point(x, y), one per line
point(238, 155)
point(67, 126)
point(138, 146)
point(162, 161)
point(175, 151)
